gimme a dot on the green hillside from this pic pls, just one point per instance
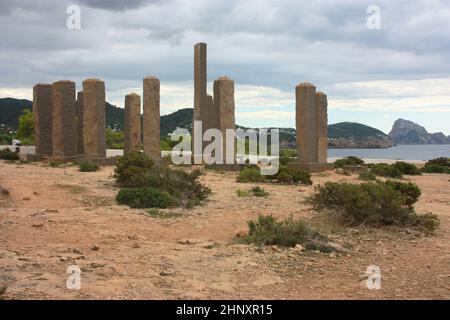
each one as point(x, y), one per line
point(353, 130)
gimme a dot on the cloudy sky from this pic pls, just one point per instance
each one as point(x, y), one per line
point(266, 46)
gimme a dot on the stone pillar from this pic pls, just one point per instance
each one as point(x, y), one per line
point(322, 127)
point(306, 122)
point(94, 120)
point(132, 141)
point(80, 119)
point(224, 105)
point(200, 80)
point(151, 125)
point(210, 117)
point(42, 115)
point(64, 131)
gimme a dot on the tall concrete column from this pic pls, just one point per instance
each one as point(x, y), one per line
point(322, 127)
point(94, 121)
point(224, 105)
point(151, 126)
point(132, 123)
point(306, 122)
point(42, 115)
point(80, 120)
point(64, 131)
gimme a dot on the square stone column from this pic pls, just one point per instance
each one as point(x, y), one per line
point(306, 122)
point(80, 119)
point(224, 105)
point(42, 115)
point(322, 127)
point(132, 132)
point(151, 125)
point(200, 79)
point(94, 120)
point(64, 128)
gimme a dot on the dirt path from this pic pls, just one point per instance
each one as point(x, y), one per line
point(57, 217)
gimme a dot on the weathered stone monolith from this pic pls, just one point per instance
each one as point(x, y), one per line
point(80, 119)
point(94, 120)
point(200, 79)
point(224, 105)
point(64, 131)
point(42, 115)
point(322, 127)
point(210, 117)
point(132, 132)
point(151, 125)
point(306, 120)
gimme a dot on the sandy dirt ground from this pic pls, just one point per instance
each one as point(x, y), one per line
point(57, 217)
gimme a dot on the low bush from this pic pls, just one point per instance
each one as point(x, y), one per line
point(7, 154)
point(348, 161)
point(88, 167)
point(285, 175)
point(291, 176)
point(367, 176)
point(136, 170)
point(438, 165)
point(251, 175)
point(268, 231)
point(409, 190)
point(243, 193)
point(385, 170)
point(435, 169)
point(145, 197)
point(443, 161)
point(259, 192)
point(372, 203)
point(406, 168)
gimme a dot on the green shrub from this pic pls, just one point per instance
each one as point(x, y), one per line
point(432, 168)
point(292, 176)
point(428, 222)
point(88, 167)
point(348, 161)
point(385, 170)
point(375, 204)
point(288, 153)
point(7, 154)
point(284, 175)
point(409, 190)
point(137, 170)
point(408, 169)
point(251, 175)
point(268, 231)
point(445, 162)
point(145, 197)
point(367, 176)
point(259, 192)
point(243, 193)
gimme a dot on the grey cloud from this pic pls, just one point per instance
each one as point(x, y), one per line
point(117, 5)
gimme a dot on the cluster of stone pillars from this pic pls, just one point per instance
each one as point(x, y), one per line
point(69, 125)
point(150, 123)
point(216, 112)
point(72, 126)
point(312, 129)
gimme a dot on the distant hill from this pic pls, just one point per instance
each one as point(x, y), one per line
point(407, 132)
point(356, 135)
